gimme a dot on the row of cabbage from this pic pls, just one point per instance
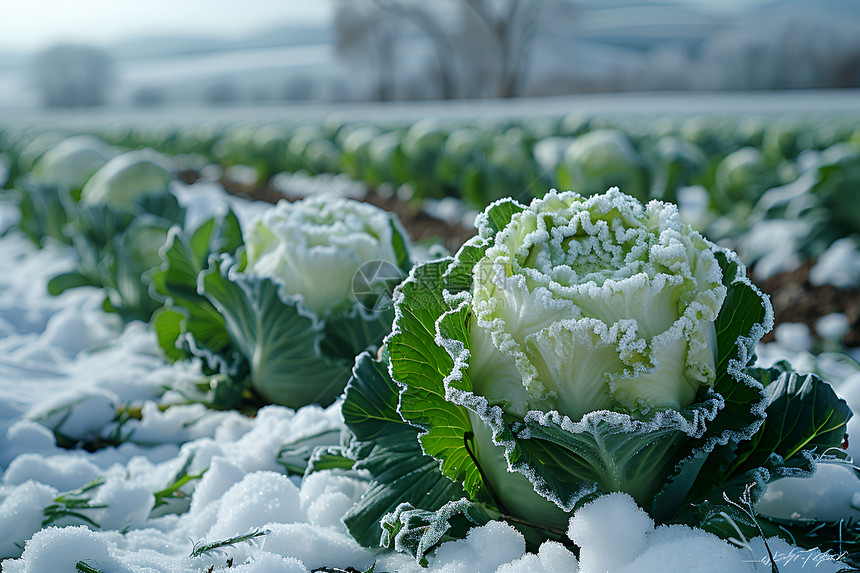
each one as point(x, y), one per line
point(518, 380)
point(738, 174)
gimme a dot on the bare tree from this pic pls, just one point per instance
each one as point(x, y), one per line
point(476, 44)
point(512, 24)
point(422, 16)
point(72, 75)
point(362, 27)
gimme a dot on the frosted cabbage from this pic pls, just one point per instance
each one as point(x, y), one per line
point(595, 304)
point(314, 248)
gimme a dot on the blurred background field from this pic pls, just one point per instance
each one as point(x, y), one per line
point(142, 54)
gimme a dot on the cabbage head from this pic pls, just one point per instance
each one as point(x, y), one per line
point(282, 306)
point(579, 346)
point(127, 178)
point(313, 248)
point(72, 161)
point(601, 159)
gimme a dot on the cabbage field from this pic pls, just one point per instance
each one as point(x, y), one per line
point(610, 342)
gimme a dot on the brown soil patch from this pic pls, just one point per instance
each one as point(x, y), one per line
point(796, 300)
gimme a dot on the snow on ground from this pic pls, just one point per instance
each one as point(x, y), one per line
point(68, 370)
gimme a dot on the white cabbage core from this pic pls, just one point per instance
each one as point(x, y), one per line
point(595, 304)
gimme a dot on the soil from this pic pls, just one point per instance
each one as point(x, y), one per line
point(188, 176)
point(794, 299)
point(420, 225)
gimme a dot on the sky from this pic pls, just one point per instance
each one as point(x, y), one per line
point(31, 25)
